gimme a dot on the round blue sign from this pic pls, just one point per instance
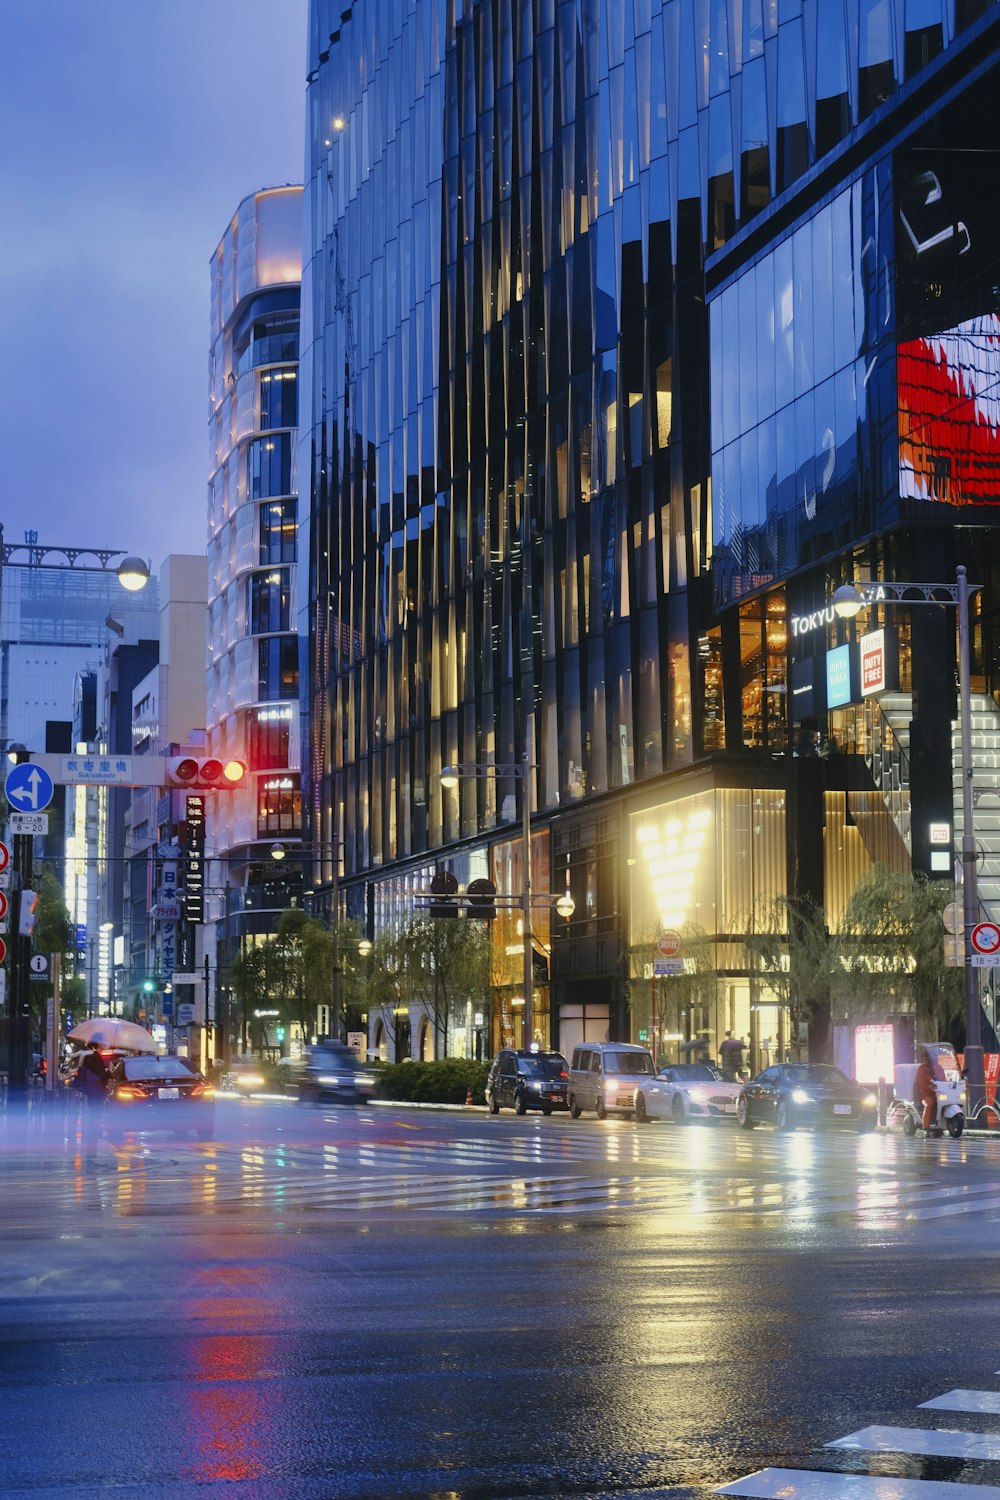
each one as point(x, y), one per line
point(28, 788)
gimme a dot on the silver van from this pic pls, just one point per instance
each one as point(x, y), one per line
point(603, 1077)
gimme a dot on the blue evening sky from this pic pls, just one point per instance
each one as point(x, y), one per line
point(131, 129)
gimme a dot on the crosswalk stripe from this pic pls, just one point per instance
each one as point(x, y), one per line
point(928, 1442)
point(814, 1484)
point(976, 1401)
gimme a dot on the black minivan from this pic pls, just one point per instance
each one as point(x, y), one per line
point(527, 1080)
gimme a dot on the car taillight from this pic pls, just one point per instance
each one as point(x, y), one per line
point(203, 1091)
point(129, 1091)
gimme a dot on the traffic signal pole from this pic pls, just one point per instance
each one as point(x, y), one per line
point(19, 999)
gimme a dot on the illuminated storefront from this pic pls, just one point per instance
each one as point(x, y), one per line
point(705, 867)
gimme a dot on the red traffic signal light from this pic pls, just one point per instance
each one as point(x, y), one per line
point(189, 771)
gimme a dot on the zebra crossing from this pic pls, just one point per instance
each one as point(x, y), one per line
point(920, 1443)
point(684, 1179)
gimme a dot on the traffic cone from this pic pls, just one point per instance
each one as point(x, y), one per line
point(468, 1094)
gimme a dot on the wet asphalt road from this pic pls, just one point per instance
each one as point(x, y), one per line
point(343, 1303)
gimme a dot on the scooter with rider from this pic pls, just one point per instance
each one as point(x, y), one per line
point(931, 1095)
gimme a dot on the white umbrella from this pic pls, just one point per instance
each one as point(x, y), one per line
point(104, 1031)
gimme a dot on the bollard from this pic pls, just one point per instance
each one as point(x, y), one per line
point(468, 1095)
point(883, 1101)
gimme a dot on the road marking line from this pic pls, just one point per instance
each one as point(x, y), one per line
point(985, 1401)
point(930, 1441)
point(810, 1484)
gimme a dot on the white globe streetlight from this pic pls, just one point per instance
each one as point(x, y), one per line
point(133, 574)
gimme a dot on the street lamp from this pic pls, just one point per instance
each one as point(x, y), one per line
point(450, 777)
point(847, 601)
point(133, 574)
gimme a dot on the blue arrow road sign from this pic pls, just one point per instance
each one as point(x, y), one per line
point(28, 788)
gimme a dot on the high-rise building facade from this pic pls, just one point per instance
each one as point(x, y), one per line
point(253, 667)
point(632, 326)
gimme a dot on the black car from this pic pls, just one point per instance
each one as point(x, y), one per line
point(159, 1093)
point(330, 1071)
point(527, 1080)
point(806, 1094)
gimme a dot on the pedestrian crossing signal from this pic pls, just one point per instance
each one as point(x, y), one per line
point(444, 891)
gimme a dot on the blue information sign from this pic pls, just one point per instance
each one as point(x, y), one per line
point(28, 788)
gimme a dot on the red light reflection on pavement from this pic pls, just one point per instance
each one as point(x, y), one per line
point(226, 1414)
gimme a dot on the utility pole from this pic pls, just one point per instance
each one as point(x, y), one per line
point(19, 1001)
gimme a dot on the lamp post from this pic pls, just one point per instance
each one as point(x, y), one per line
point(450, 777)
point(847, 601)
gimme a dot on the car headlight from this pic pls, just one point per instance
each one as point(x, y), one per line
point(611, 1087)
point(366, 1078)
point(534, 1084)
point(251, 1081)
point(697, 1094)
point(327, 1078)
point(869, 1099)
point(799, 1096)
point(943, 1098)
point(961, 1093)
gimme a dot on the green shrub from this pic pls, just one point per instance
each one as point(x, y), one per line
point(444, 1082)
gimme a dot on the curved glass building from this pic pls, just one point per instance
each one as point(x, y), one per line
point(253, 667)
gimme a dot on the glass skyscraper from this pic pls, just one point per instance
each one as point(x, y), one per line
point(600, 380)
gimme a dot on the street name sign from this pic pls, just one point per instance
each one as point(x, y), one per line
point(185, 1015)
point(29, 823)
point(664, 967)
point(96, 770)
point(28, 787)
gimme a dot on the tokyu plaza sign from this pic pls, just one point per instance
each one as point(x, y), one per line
point(806, 624)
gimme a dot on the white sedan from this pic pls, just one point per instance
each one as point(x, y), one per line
point(688, 1091)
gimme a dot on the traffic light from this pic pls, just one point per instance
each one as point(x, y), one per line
point(444, 890)
point(481, 895)
point(279, 1032)
point(215, 774)
point(149, 985)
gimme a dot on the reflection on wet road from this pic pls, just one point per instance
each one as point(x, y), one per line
point(274, 1157)
point(336, 1303)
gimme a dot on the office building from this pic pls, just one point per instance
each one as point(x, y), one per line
point(253, 666)
point(634, 328)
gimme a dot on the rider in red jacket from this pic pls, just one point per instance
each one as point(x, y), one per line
point(925, 1088)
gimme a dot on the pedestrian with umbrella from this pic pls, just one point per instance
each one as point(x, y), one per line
point(731, 1051)
point(106, 1038)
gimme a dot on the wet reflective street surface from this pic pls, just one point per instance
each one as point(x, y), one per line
point(388, 1302)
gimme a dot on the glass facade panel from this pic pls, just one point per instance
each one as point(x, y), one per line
point(269, 466)
point(807, 479)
